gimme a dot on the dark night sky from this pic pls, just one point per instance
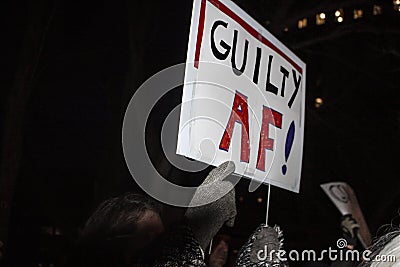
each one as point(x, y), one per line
point(97, 52)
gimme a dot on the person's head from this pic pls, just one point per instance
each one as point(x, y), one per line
point(386, 247)
point(120, 231)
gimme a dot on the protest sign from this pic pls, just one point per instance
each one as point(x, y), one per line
point(243, 97)
point(344, 198)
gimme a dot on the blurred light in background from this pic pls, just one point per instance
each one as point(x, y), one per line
point(339, 15)
point(302, 23)
point(320, 18)
point(396, 5)
point(357, 13)
point(318, 102)
point(377, 10)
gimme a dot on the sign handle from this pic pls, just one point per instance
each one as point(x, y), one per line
point(268, 198)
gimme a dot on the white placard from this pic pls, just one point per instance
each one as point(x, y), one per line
point(344, 198)
point(243, 98)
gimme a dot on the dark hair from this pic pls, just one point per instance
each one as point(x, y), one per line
point(388, 244)
point(102, 241)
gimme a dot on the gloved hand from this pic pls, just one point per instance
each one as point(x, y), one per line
point(262, 248)
point(206, 220)
point(350, 229)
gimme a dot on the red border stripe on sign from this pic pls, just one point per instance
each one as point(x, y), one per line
point(200, 31)
point(253, 32)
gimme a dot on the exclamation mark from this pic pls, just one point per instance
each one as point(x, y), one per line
point(288, 145)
